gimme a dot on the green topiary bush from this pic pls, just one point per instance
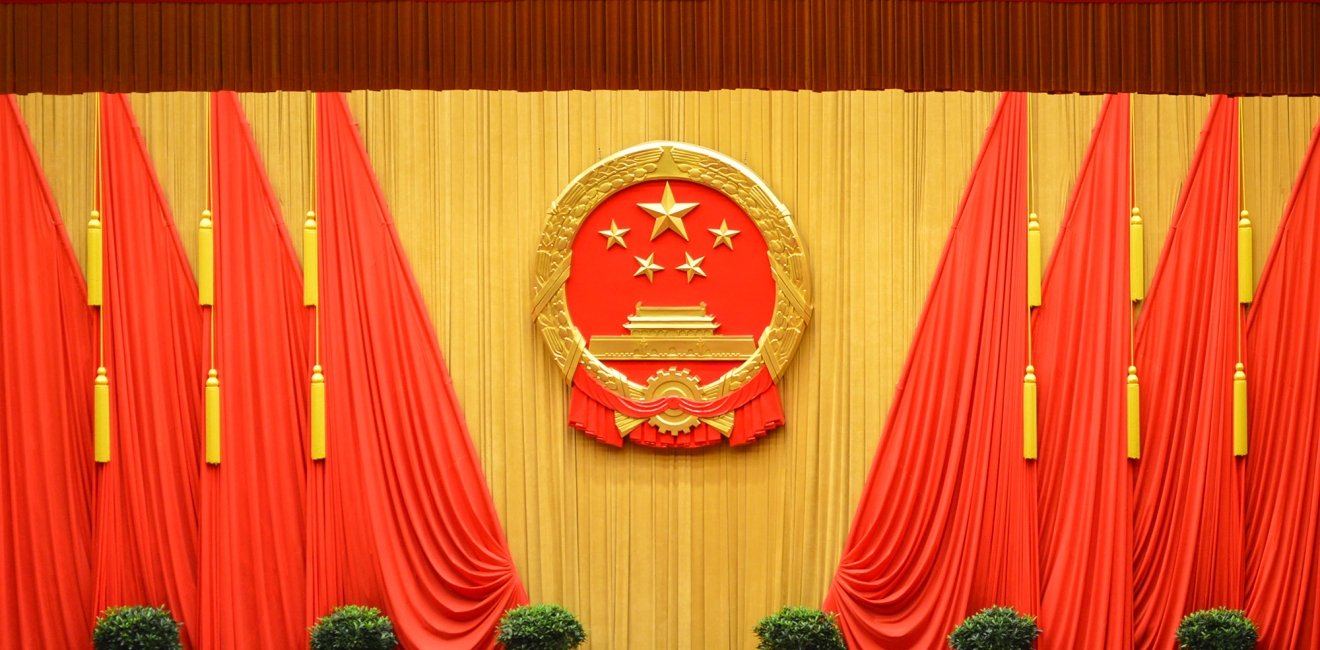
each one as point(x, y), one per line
point(1217, 629)
point(995, 628)
point(540, 627)
point(136, 628)
point(799, 628)
point(353, 627)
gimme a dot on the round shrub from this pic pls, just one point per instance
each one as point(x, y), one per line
point(354, 627)
point(1217, 629)
point(799, 628)
point(995, 628)
point(136, 628)
point(540, 627)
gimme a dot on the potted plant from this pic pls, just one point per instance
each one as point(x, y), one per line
point(799, 628)
point(1217, 629)
point(136, 628)
point(540, 627)
point(995, 628)
point(354, 627)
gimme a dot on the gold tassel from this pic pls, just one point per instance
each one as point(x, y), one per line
point(1133, 414)
point(101, 416)
point(310, 261)
point(1246, 288)
point(212, 418)
point(1033, 260)
point(205, 261)
point(94, 259)
point(1239, 411)
point(318, 414)
point(1137, 255)
point(1029, 414)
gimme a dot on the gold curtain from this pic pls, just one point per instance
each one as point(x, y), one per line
point(680, 550)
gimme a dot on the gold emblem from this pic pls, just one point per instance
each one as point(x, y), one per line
point(678, 333)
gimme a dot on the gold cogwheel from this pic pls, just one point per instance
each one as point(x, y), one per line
point(673, 383)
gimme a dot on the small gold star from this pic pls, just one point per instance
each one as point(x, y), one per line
point(668, 214)
point(693, 267)
point(614, 235)
point(723, 235)
point(647, 267)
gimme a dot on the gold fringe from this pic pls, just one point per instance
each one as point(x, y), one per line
point(101, 416)
point(1029, 414)
point(311, 290)
point(318, 414)
point(1133, 414)
point(1137, 255)
point(1246, 287)
point(1033, 260)
point(205, 261)
point(94, 259)
point(1239, 411)
point(212, 418)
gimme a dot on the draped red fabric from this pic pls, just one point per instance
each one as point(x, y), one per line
point(406, 519)
point(756, 405)
point(1283, 468)
point(1081, 350)
point(146, 520)
point(253, 573)
point(1187, 531)
point(947, 520)
point(46, 364)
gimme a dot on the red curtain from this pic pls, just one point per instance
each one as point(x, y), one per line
point(253, 573)
point(146, 497)
point(1082, 334)
point(947, 520)
point(1188, 502)
point(403, 516)
point(1283, 468)
point(47, 363)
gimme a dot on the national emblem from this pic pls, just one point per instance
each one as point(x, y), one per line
point(651, 354)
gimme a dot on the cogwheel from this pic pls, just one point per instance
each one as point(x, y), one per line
point(673, 383)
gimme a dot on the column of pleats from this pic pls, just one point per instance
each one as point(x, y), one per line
point(253, 524)
point(1081, 352)
point(146, 517)
point(47, 362)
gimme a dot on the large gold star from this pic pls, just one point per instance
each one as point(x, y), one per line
point(614, 235)
point(668, 214)
point(723, 235)
point(693, 267)
point(647, 267)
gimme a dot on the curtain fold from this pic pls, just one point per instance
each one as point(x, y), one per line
point(146, 516)
point(253, 573)
point(1081, 336)
point(1283, 469)
point(1256, 48)
point(1187, 532)
point(47, 362)
point(411, 525)
point(947, 521)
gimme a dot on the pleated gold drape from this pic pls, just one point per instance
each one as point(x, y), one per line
point(680, 550)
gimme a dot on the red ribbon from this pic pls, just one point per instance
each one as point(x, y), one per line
point(755, 406)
